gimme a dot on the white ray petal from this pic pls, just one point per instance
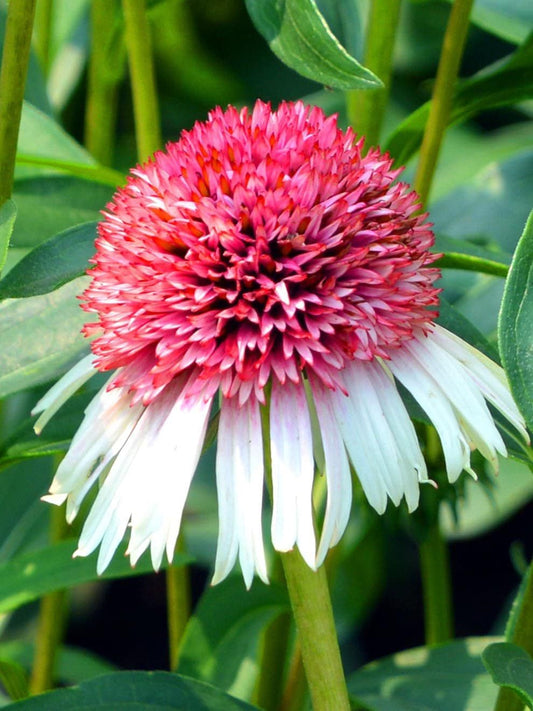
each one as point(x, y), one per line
point(240, 490)
point(291, 446)
point(435, 403)
point(337, 471)
point(488, 376)
point(59, 393)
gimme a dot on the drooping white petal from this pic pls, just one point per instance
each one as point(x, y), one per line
point(291, 445)
point(337, 471)
point(434, 402)
point(59, 393)
point(462, 392)
point(239, 471)
point(487, 375)
point(379, 436)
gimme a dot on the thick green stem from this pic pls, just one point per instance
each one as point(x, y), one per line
point(313, 614)
point(178, 606)
point(145, 104)
point(521, 635)
point(441, 100)
point(436, 584)
point(43, 26)
point(15, 57)
point(52, 618)
point(366, 107)
point(103, 81)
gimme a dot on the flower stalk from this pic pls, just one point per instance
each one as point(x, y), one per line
point(145, 104)
point(441, 101)
point(436, 585)
point(178, 606)
point(15, 58)
point(313, 614)
point(366, 107)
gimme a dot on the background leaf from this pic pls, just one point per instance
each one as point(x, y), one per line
point(8, 214)
point(516, 324)
point(512, 667)
point(134, 691)
point(297, 33)
point(51, 264)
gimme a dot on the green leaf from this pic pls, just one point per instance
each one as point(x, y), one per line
point(507, 83)
point(48, 205)
point(135, 691)
point(31, 575)
point(511, 20)
point(40, 337)
point(515, 326)
point(51, 264)
point(219, 648)
point(8, 215)
point(512, 667)
point(297, 33)
point(462, 254)
point(449, 677)
point(14, 679)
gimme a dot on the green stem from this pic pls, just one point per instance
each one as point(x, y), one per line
point(521, 635)
point(103, 80)
point(15, 57)
point(436, 584)
point(43, 26)
point(145, 104)
point(366, 108)
point(178, 606)
point(441, 101)
point(274, 654)
point(313, 614)
point(295, 691)
point(52, 618)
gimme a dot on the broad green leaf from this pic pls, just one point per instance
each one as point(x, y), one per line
point(51, 264)
point(31, 575)
point(72, 665)
point(135, 691)
point(481, 510)
point(506, 84)
point(8, 215)
point(40, 337)
point(512, 667)
point(462, 254)
point(14, 679)
point(516, 324)
point(298, 35)
point(516, 608)
point(222, 649)
point(48, 205)
point(445, 678)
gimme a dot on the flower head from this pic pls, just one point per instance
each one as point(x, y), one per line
point(263, 252)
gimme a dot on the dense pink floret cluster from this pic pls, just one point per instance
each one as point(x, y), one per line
point(258, 245)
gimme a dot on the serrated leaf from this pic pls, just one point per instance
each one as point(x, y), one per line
point(506, 84)
point(8, 215)
point(512, 667)
point(31, 575)
point(450, 676)
point(135, 691)
point(51, 264)
point(40, 337)
point(298, 34)
point(515, 324)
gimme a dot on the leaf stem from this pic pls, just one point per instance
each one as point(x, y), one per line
point(436, 585)
point(313, 614)
point(274, 654)
point(52, 618)
point(103, 80)
point(178, 606)
point(441, 103)
point(521, 634)
point(15, 58)
point(145, 104)
point(366, 107)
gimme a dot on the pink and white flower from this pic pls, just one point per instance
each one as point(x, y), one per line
point(263, 261)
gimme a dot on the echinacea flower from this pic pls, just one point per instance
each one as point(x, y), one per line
point(263, 260)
